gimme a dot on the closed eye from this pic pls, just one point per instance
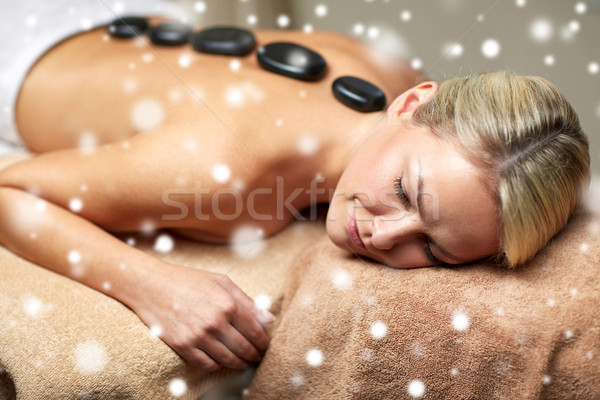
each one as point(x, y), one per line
point(430, 257)
point(400, 193)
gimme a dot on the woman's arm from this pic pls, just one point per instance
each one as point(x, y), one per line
point(213, 323)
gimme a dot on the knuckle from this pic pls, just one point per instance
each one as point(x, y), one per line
point(179, 343)
point(229, 306)
point(211, 324)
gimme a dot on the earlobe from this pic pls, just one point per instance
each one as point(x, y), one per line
point(412, 98)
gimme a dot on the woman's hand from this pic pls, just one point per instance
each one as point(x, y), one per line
point(204, 317)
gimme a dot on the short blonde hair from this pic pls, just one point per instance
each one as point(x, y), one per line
point(526, 134)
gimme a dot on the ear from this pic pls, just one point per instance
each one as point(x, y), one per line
point(412, 98)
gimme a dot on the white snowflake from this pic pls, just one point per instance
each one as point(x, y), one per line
point(521, 3)
point(235, 65)
point(252, 19)
point(541, 30)
point(199, 7)
point(156, 331)
point(314, 357)
point(405, 15)
point(416, 63)
point(147, 114)
point(416, 389)
point(86, 24)
point(373, 32)
point(238, 95)
point(41, 206)
point(460, 321)
point(185, 60)
point(308, 145)
point(378, 330)
point(74, 257)
point(75, 204)
point(568, 334)
point(90, 357)
point(33, 306)
point(147, 57)
point(88, 142)
point(164, 243)
point(453, 50)
point(490, 48)
point(297, 380)
point(546, 380)
point(549, 60)
point(321, 10)
point(263, 301)
point(581, 7)
point(283, 21)
point(341, 279)
point(358, 29)
point(574, 26)
point(248, 241)
point(593, 68)
point(177, 387)
point(221, 173)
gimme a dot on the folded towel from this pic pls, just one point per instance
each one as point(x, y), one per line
point(353, 329)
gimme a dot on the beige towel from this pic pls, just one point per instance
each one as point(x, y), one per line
point(62, 340)
point(357, 330)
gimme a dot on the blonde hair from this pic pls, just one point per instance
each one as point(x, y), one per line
point(524, 132)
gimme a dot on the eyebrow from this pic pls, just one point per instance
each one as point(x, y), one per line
point(420, 194)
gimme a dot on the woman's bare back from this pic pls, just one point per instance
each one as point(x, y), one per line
point(199, 113)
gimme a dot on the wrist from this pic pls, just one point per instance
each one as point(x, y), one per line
point(141, 280)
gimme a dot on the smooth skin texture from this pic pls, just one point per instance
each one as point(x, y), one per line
point(163, 177)
point(446, 206)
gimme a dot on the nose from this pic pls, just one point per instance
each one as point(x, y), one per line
point(389, 232)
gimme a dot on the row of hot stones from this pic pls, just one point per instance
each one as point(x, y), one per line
point(284, 58)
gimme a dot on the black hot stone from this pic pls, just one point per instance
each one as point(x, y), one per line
point(224, 40)
point(170, 34)
point(127, 27)
point(291, 60)
point(358, 94)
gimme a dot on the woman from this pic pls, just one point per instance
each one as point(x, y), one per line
point(491, 165)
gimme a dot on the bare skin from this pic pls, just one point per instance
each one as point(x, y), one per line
point(87, 84)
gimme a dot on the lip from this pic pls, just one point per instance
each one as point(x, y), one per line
point(353, 231)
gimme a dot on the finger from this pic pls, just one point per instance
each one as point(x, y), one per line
point(221, 354)
point(240, 346)
point(200, 359)
point(264, 317)
point(244, 319)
